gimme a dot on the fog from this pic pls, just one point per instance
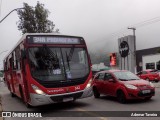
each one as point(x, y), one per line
point(100, 22)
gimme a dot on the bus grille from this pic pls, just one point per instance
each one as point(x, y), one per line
point(60, 98)
point(57, 84)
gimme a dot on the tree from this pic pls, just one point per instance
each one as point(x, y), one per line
point(34, 19)
point(158, 50)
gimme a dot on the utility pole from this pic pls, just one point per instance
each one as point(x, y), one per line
point(10, 13)
point(132, 28)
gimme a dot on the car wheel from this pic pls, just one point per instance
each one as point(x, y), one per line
point(96, 93)
point(148, 98)
point(147, 79)
point(121, 97)
point(156, 81)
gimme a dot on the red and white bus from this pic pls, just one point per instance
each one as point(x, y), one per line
point(45, 68)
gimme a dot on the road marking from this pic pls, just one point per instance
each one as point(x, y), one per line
point(92, 114)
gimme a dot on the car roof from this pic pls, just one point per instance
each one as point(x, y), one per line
point(150, 70)
point(112, 71)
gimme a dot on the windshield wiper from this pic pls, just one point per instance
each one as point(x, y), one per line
point(133, 79)
point(122, 79)
point(71, 53)
point(67, 61)
point(50, 53)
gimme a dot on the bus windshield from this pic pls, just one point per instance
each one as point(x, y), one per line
point(58, 63)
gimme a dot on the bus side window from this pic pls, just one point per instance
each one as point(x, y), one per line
point(17, 56)
point(13, 60)
point(5, 65)
point(10, 64)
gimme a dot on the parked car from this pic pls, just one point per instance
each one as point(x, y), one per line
point(149, 75)
point(122, 84)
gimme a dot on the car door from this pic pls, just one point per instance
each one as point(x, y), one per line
point(98, 82)
point(109, 86)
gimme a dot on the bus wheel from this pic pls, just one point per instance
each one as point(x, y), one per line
point(28, 105)
point(22, 97)
point(12, 94)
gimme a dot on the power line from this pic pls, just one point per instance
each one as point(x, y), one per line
point(147, 22)
point(137, 25)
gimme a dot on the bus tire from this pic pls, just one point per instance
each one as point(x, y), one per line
point(28, 105)
point(22, 97)
point(12, 94)
point(21, 93)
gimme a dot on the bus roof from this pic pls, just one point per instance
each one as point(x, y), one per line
point(24, 36)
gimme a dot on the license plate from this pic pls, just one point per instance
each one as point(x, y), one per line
point(146, 91)
point(67, 99)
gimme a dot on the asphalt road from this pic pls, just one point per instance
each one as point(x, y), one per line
point(87, 105)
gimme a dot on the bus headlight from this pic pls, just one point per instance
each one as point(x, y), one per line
point(37, 90)
point(89, 83)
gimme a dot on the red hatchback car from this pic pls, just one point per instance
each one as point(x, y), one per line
point(149, 75)
point(122, 84)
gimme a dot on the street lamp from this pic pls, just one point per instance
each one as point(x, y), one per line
point(132, 28)
point(10, 13)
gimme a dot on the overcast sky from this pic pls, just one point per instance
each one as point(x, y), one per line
point(95, 20)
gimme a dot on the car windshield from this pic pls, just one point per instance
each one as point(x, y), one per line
point(125, 75)
point(52, 64)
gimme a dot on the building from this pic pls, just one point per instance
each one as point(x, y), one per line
point(148, 59)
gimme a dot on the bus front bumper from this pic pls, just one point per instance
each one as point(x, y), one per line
point(37, 100)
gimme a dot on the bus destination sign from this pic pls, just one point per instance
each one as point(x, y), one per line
point(52, 40)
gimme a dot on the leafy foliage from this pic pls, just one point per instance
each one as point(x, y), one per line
point(158, 50)
point(34, 19)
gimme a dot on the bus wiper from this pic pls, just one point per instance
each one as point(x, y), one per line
point(71, 53)
point(133, 79)
point(50, 53)
point(67, 61)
